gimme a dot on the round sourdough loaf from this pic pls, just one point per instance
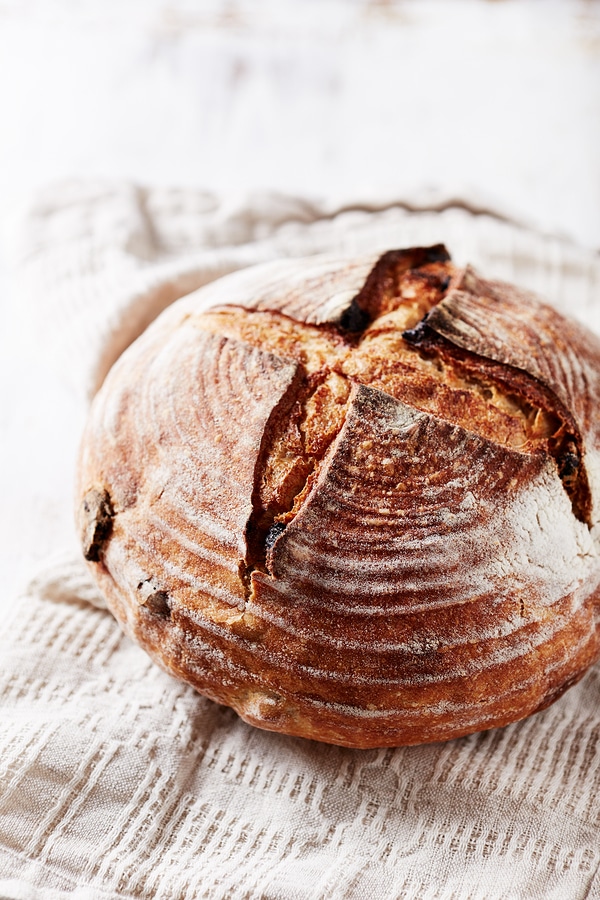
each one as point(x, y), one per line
point(355, 500)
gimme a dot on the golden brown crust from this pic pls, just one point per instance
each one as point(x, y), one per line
point(354, 501)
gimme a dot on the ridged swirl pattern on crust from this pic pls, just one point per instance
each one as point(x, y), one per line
point(428, 581)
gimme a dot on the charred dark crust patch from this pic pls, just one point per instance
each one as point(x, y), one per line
point(158, 604)
point(354, 319)
point(569, 463)
point(421, 334)
point(435, 253)
point(96, 516)
point(153, 599)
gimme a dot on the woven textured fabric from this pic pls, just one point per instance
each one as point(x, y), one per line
point(116, 781)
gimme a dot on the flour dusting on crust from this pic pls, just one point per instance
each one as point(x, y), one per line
point(354, 500)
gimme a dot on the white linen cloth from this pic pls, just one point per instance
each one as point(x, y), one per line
point(116, 781)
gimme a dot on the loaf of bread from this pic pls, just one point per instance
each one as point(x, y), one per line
point(355, 500)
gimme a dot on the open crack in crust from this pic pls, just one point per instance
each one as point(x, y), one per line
point(300, 478)
point(383, 339)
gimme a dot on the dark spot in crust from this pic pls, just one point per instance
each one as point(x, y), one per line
point(96, 521)
point(436, 253)
point(354, 319)
point(158, 603)
point(154, 599)
point(273, 533)
point(420, 333)
point(568, 464)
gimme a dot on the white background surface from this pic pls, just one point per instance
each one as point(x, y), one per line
point(494, 103)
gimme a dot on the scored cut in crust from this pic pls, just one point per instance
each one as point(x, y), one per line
point(357, 501)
